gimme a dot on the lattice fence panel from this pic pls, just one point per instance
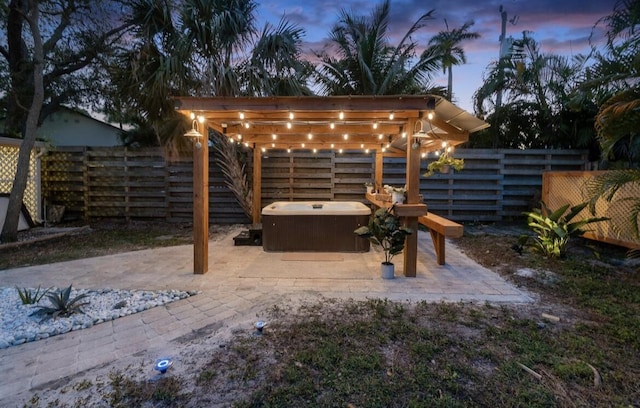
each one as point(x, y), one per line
point(8, 163)
point(561, 188)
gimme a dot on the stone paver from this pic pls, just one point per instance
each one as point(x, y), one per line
point(226, 298)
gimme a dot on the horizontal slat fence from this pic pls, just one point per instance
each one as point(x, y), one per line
point(134, 184)
point(139, 184)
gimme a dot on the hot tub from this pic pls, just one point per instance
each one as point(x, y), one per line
point(314, 226)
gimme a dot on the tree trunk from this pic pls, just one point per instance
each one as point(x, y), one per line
point(21, 79)
point(10, 228)
point(450, 83)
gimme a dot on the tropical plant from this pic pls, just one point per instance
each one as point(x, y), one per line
point(62, 305)
point(234, 169)
point(613, 82)
point(360, 61)
point(554, 229)
point(537, 87)
point(210, 48)
point(28, 297)
point(443, 164)
point(446, 46)
point(386, 230)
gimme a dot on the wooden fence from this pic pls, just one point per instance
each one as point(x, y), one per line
point(139, 184)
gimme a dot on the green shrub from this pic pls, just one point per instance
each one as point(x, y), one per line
point(62, 305)
point(31, 298)
point(554, 228)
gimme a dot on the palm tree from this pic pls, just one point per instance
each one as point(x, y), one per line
point(616, 75)
point(360, 60)
point(541, 85)
point(447, 46)
point(194, 47)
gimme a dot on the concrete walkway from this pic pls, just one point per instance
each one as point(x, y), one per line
point(242, 283)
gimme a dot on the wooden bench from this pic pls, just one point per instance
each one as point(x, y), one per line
point(440, 228)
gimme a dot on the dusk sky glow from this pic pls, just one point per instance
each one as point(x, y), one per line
point(560, 27)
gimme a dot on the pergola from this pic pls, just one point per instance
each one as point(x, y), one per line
point(402, 125)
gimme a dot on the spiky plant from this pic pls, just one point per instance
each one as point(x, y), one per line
point(62, 305)
point(554, 228)
point(29, 297)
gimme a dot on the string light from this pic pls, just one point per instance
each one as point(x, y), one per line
point(404, 134)
point(332, 145)
point(366, 151)
point(274, 136)
point(310, 136)
point(362, 145)
point(346, 136)
point(380, 136)
point(291, 115)
point(241, 115)
point(289, 125)
point(332, 125)
point(391, 116)
point(263, 150)
point(315, 150)
point(239, 136)
point(246, 144)
point(375, 125)
point(430, 115)
point(302, 144)
point(423, 155)
point(289, 150)
point(246, 125)
point(341, 115)
point(273, 145)
point(340, 151)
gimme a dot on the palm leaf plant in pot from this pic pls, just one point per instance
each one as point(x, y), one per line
point(385, 230)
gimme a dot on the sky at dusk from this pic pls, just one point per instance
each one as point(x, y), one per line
point(560, 27)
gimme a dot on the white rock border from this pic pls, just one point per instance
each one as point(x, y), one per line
point(17, 326)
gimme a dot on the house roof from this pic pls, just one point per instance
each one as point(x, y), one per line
point(349, 122)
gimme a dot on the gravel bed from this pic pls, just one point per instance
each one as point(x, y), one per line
point(18, 326)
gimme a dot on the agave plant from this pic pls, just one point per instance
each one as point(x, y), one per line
point(62, 305)
point(29, 297)
point(554, 228)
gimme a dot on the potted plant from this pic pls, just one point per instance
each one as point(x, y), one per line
point(444, 164)
point(384, 229)
point(369, 187)
point(396, 193)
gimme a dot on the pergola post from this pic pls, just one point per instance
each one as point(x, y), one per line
point(378, 170)
point(413, 197)
point(201, 206)
point(257, 184)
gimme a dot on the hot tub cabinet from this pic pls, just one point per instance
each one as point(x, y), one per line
point(314, 226)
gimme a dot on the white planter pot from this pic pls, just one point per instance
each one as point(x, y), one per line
point(397, 198)
point(387, 270)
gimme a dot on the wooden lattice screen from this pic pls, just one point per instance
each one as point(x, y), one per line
point(569, 187)
point(8, 161)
